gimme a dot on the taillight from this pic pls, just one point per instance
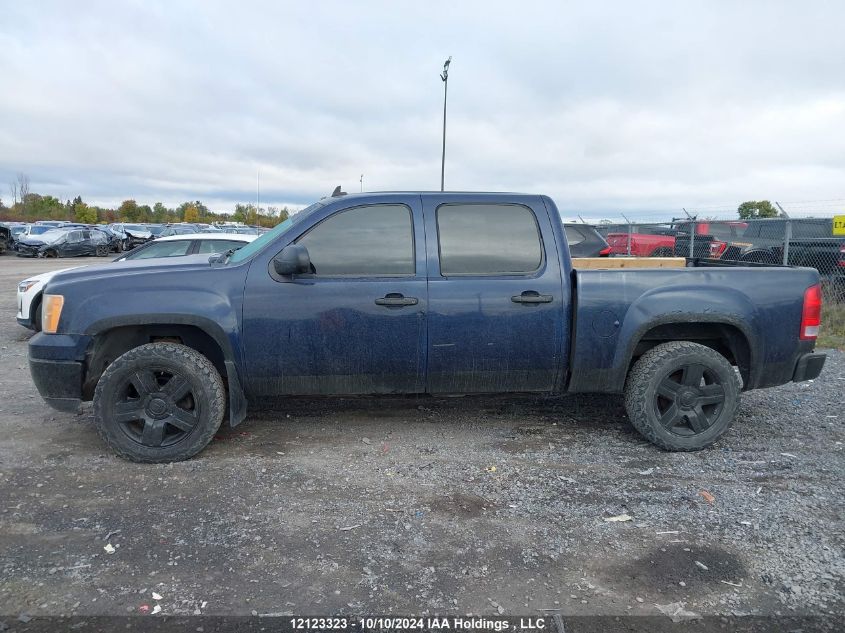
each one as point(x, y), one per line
point(717, 248)
point(604, 252)
point(811, 315)
point(842, 256)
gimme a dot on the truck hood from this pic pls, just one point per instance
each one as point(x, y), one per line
point(153, 266)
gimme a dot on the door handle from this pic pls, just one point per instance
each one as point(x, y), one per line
point(530, 296)
point(396, 299)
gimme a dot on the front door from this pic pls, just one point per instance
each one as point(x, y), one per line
point(356, 324)
point(497, 309)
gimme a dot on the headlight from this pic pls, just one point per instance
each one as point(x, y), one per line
point(51, 312)
point(26, 284)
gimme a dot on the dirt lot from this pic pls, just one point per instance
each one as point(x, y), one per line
point(464, 505)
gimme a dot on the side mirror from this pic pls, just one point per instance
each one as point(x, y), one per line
point(293, 260)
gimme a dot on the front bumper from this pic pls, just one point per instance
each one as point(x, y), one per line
point(28, 250)
point(59, 383)
point(808, 367)
point(57, 368)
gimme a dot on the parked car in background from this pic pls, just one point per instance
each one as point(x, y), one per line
point(30, 289)
point(134, 234)
point(648, 240)
point(585, 241)
point(155, 229)
point(711, 239)
point(61, 242)
point(5, 238)
point(811, 244)
point(208, 228)
point(179, 229)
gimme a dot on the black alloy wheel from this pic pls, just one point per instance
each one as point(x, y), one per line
point(682, 396)
point(159, 402)
point(689, 400)
point(155, 407)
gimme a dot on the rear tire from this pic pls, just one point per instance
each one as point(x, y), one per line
point(160, 402)
point(102, 251)
point(682, 396)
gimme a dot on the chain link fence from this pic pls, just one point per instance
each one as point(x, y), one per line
point(806, 242)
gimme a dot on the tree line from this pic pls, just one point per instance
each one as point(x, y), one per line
point(28, 207)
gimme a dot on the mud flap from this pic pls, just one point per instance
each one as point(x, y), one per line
point(237, 400)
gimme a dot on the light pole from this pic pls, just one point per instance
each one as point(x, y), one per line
point(445, 77)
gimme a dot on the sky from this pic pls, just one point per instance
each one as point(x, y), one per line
point(641, 108)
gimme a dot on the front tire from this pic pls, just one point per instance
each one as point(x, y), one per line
point(160, 402)
point(682, 396)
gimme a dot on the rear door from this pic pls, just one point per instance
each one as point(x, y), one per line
point(496, 300)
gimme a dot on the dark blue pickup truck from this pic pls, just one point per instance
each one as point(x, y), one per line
point(411, 293)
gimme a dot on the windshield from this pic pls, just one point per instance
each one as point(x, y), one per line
point(260, 242)
point(133, 227)
point(38, 230)
point(53, 235)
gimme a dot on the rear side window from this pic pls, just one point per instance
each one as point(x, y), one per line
point(488, 239)
point(218, 246)
point(573, 235)
point(162, 249)
point(368, 241)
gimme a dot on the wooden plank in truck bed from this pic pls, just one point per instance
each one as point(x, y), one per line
point(596, 263)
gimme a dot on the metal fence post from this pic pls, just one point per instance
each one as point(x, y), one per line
point(787, 237)
point(630, 235)
point(692, 240)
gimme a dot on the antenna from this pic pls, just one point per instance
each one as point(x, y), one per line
point(580, 218)
point(337, 192)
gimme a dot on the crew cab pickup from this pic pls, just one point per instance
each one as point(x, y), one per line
point(412, 293)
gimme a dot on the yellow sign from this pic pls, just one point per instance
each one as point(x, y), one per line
point(839, 224)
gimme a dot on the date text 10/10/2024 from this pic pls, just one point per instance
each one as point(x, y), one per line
point(410, 623)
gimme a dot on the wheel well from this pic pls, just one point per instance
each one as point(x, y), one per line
point(727, 340)
point(33, 307)
point(108, 345)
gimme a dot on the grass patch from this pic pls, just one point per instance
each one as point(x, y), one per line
point(832, 331)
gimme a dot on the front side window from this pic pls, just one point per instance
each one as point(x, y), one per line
point(488, 239)
point(368, 241)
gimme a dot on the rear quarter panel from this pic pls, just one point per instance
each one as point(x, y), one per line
point(615, 308)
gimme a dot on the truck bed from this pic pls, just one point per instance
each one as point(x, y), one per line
point(617, 311)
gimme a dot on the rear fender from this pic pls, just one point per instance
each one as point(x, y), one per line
point(659, 306)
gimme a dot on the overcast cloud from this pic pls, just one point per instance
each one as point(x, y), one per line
point(606, 106)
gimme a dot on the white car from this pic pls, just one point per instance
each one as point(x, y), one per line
point(30, 289)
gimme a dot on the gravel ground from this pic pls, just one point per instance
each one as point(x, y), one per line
point(462, 505)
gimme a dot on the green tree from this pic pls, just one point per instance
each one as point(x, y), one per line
point(84, 214)
point(756, 209)
point(128, 211)
point(38, 207)
point(159, 212)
